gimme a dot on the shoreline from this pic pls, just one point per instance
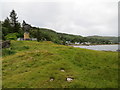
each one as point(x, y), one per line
point(97, 45)
point(91, 44)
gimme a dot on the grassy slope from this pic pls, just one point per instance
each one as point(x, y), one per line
point(33, 66)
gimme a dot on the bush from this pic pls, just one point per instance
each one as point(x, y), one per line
point(25, 47)
point(11, 36)
point(7, 51)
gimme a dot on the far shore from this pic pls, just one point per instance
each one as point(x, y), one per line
point(91, 44)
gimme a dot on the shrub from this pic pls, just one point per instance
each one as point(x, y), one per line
point(11, 36)
point(25, 47)
point(6, 52)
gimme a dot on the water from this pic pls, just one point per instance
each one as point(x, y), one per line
point(101, 47)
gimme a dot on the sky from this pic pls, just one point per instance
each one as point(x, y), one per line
point(78, 17)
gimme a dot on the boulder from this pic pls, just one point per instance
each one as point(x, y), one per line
point(5, 44)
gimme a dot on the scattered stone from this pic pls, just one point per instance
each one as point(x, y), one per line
point(69, 79)
point(51, 79)
point(62, 69)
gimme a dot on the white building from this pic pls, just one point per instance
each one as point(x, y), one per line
point(77, 43)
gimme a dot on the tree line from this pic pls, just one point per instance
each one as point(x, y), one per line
point(13, 29)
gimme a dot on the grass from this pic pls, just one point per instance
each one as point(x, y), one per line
point(33, 64)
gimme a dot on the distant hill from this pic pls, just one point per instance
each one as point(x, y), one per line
point(44, 34)
point(110, 38)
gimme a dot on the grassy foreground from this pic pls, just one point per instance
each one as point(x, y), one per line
point(32, 64)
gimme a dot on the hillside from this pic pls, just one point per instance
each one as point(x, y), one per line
point(31, 64)
point(44, 34)
point(112, 39)
point(50, 35)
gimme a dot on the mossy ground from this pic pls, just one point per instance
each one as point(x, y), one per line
point(32, 64)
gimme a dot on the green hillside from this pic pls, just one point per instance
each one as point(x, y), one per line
point(31, 64)
point(44, 34)
point(112, 39)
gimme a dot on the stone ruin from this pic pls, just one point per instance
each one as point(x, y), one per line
point(5, 44)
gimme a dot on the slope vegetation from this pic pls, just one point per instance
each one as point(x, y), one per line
point(31, 64)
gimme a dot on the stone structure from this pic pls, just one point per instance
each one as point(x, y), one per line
point(5, 44)
point(26, 36)
point(26, 27)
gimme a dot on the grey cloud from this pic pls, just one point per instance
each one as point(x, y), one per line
point(80, 18)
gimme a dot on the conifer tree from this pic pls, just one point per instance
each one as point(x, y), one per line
point(14, 22)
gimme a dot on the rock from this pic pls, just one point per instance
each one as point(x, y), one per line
point(69, 79)
point(62, 69)
point(51, 79)
point(6, 44)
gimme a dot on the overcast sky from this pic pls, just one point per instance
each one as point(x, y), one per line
point(79, 17)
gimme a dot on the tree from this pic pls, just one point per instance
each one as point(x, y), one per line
point(14, 22)
point(39, 35)
point(11, 36)
point(6, 27)
point(26, 27)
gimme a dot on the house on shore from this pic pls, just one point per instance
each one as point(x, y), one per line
point(26, 28)
point(27, 37)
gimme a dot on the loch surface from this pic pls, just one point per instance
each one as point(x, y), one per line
point(101, 47)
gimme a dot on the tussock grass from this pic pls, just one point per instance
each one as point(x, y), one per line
point(34, 63)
